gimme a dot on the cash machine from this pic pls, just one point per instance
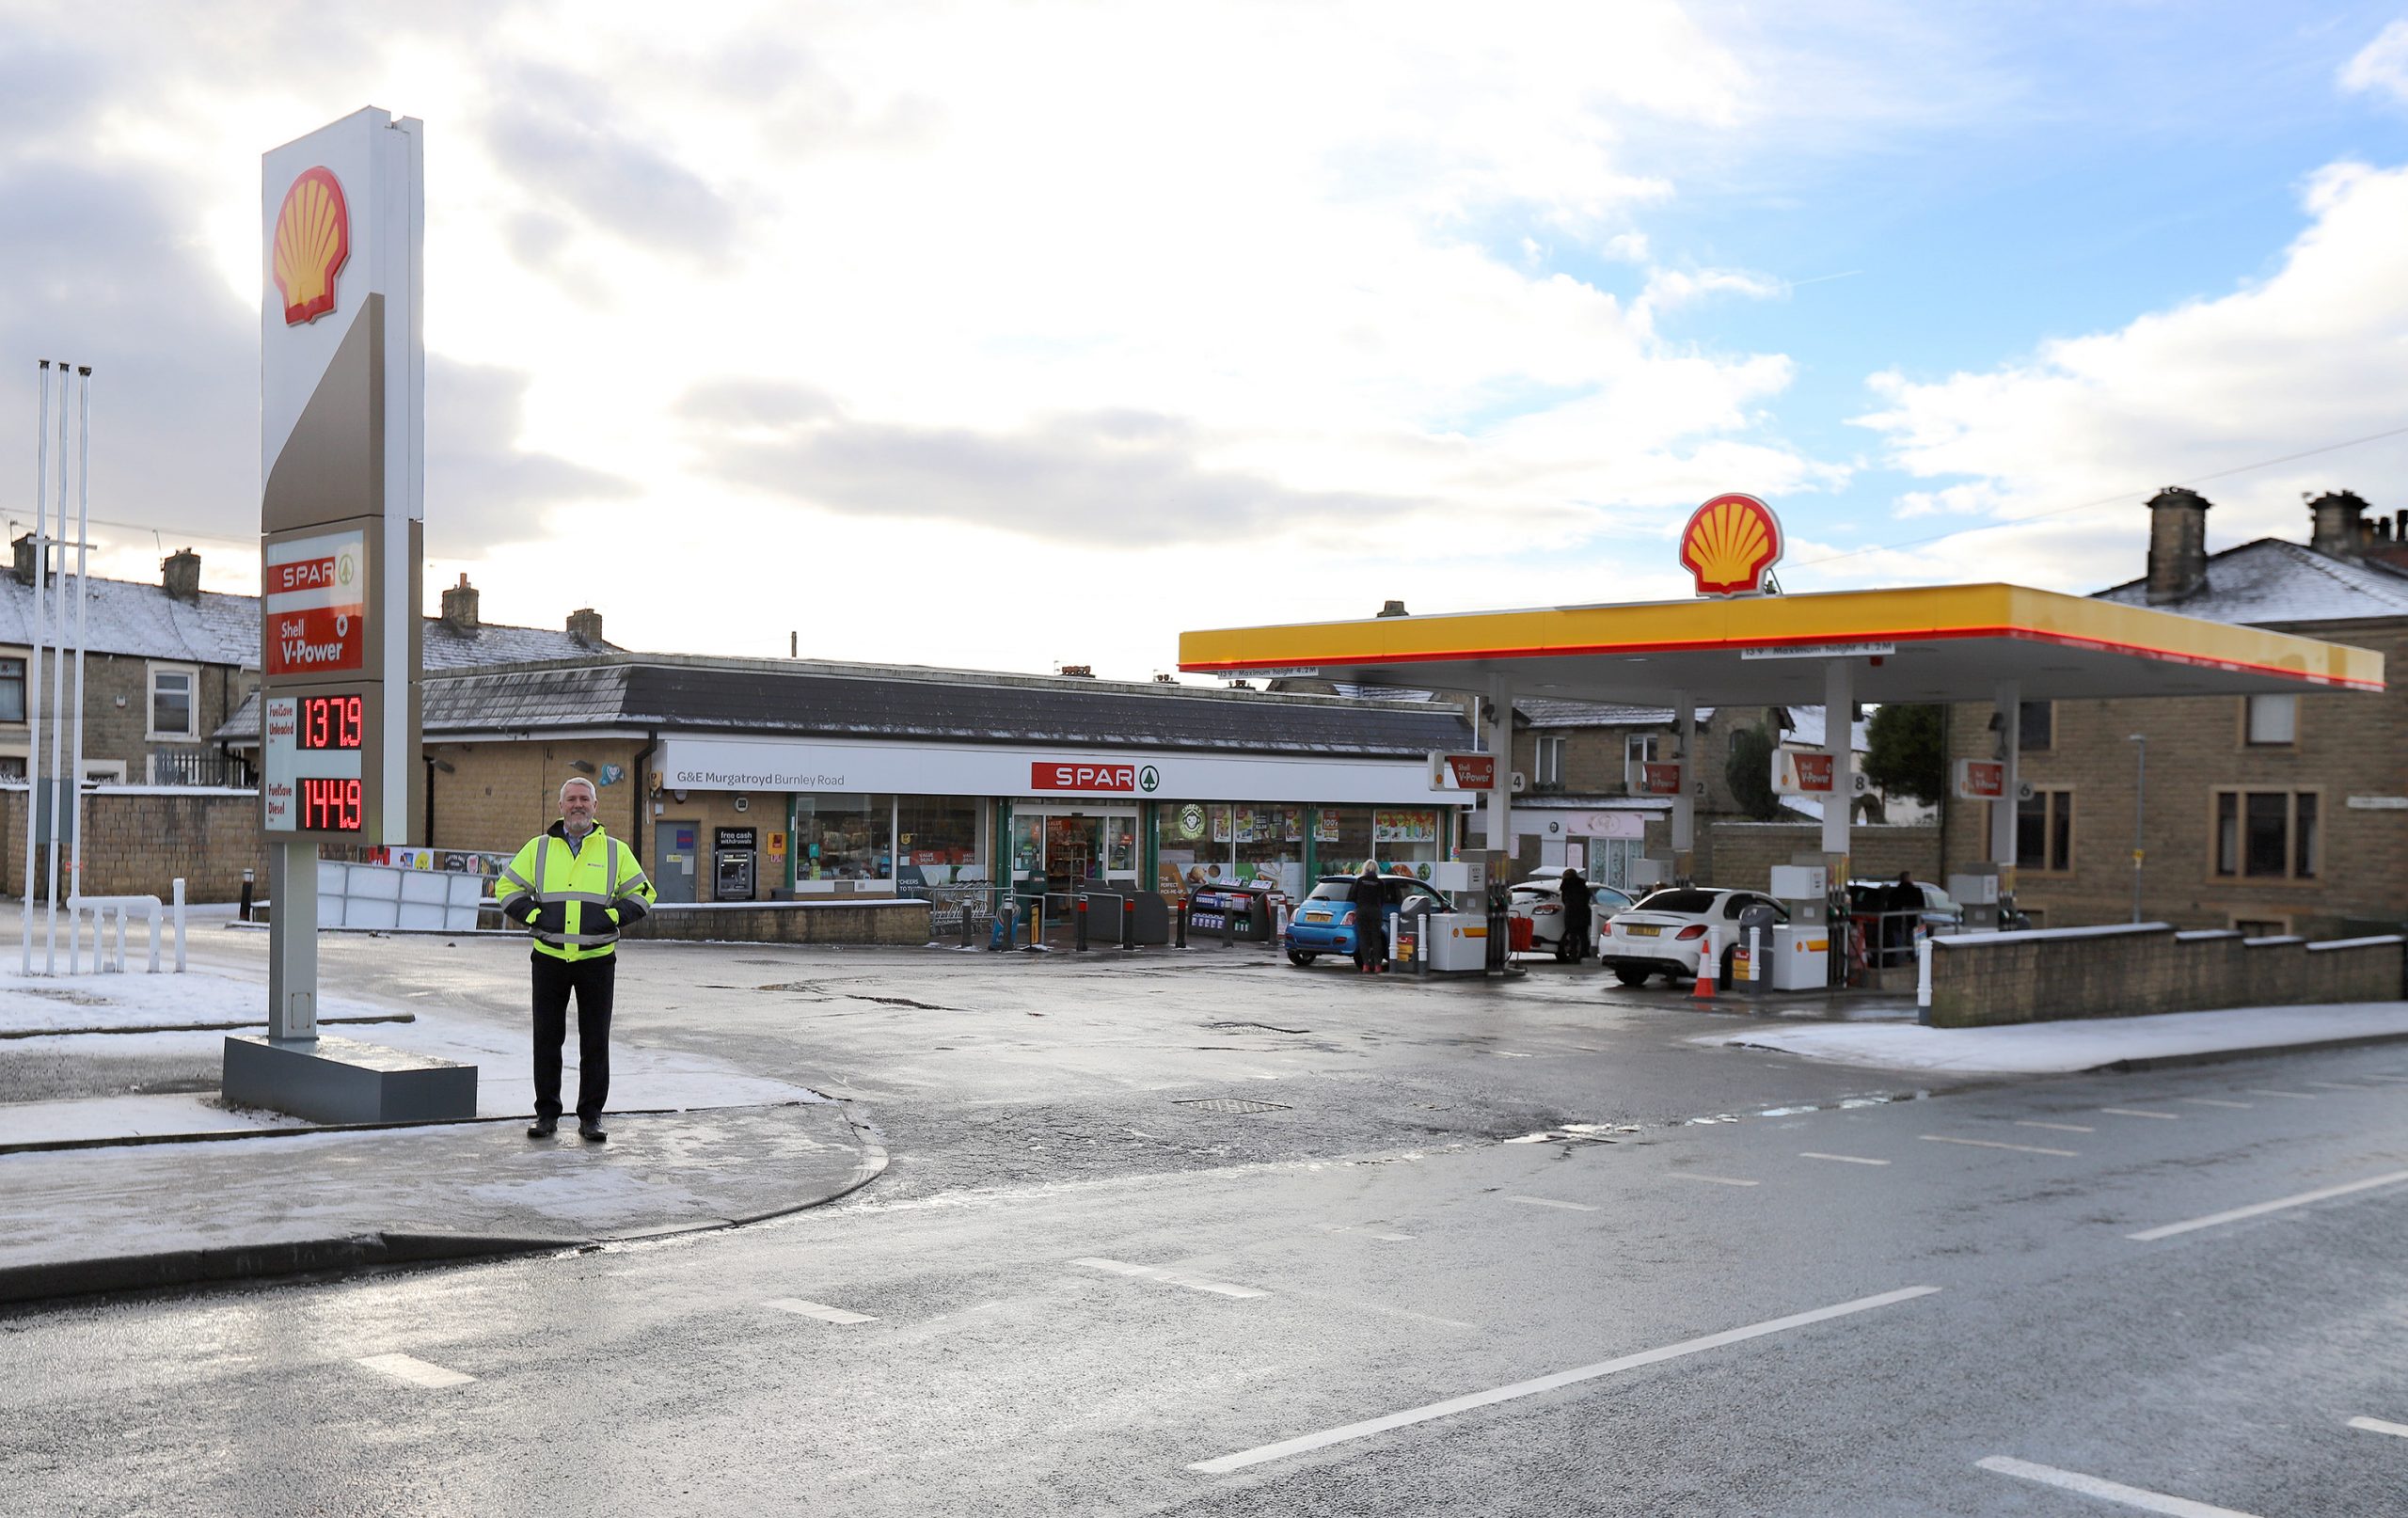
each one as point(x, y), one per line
point(1801, 947)
point(1977, 893)
point(733, 853)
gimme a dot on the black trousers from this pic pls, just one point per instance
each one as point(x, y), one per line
point(591, 980)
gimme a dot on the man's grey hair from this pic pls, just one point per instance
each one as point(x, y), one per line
point(579, 780)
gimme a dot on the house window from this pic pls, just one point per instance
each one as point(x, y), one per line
point(1639, 749)
point(1550, 765)
point(12, 691)
point(2044, 832)
point(2262, 927)
point(2267, 835)
point(2036, 726)
point(172, 713)
point(2271, 721)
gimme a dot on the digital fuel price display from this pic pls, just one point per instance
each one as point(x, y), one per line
point(314, 781)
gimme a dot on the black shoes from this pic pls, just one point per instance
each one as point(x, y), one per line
point(591, 1133)
point(543, 1127)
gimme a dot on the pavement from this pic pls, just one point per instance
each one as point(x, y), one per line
point(129, 1191)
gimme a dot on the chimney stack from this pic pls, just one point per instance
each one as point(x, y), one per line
point(2177, 544)
point(180, 574)
point(23, 567)
point(585, 625)
point(460, 607)
point(2339, 528)
point(1393, 608)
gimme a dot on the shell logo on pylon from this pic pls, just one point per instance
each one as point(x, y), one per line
point(1730, 543)
point(312, 244)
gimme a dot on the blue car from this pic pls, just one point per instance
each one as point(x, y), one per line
point(1324, 922)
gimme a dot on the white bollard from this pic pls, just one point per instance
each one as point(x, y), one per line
point(180, 933)
point(1923, 980)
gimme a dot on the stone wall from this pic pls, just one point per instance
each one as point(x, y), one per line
point(2133, 969)
point(137, 840)
point(1740, 856)
point(903, 923)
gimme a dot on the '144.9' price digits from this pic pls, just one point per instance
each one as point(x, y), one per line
point(330, 805)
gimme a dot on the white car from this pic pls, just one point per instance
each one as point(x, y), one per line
point(1666, 933)
point(1540, 899)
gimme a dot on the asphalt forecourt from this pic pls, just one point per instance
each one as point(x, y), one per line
point(2173, 1293)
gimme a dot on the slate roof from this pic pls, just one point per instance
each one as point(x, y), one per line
point(139, 620)
point(2273, 582)
point(693, 696)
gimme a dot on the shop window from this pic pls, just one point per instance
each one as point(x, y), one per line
point(12, 691)
point(2036, 726)
point(843, 837)
point(2267, 835)
point(172, 714)
point(2271, 721)
point(937, 838)
point(1639, 751)
point(2044, 832)
point(1550, 765)
point(1191, 843)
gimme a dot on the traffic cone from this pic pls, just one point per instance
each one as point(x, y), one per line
point(1706, 961)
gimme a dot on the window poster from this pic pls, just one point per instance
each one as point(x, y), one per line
point(1398, 825)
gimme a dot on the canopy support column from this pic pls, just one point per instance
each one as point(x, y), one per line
point(1839, 739)
point(1684, 804)
point(2009, 697)
point(1500, 798)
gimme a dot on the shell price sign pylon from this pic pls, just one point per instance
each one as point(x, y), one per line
point(1729, 545)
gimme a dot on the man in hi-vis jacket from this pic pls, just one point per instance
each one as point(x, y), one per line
point(573, 887)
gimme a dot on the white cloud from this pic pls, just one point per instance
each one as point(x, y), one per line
point(2312, 356)
point(2381, 66)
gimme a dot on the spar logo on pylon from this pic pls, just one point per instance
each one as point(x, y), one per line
point(1729, 545)
point(312, 244)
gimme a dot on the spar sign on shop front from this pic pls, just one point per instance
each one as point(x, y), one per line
point(1093, 775)
point(313, 592)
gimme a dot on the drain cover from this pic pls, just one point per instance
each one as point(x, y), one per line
point(1229, 1104)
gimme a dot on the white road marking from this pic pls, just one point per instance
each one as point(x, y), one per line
point(1844, 1158)
point(2295, 1096)
point(2211, 1102)
point(2092, 1486)
point(1993, 1143)
point(1562, 1378)
point(812, 1309)
point(1711, 1180)
point(2061, 1127)
point(2378, 1426)
point(2137, 1111)
point(2337, 1085)
point(1168, 1277)
point(2301, 1200)
point(1507, 1054)
point(416, 1371)
point(1541, 1201)
point(1365, 1227)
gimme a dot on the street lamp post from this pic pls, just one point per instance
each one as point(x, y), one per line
point(2140, 796)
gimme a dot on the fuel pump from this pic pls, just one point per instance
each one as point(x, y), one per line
point(1801, 947)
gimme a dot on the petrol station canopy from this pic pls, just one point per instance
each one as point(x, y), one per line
point(1930, 643)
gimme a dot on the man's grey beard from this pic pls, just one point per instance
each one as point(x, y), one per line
point(575, 828)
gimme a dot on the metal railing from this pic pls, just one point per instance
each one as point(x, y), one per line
point(197, 768)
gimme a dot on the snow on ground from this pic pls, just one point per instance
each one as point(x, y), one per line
point(2057, 1047)
point(187, 1017)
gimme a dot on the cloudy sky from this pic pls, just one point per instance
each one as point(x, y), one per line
point(1009, 335)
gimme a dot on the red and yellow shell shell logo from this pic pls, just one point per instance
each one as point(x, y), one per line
point(1729, 544)
point(312, 244)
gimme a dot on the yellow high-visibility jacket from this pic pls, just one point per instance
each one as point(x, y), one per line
point(576, 900)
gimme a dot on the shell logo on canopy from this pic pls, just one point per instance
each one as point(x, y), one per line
point(1730, 544)
point(312, 244)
